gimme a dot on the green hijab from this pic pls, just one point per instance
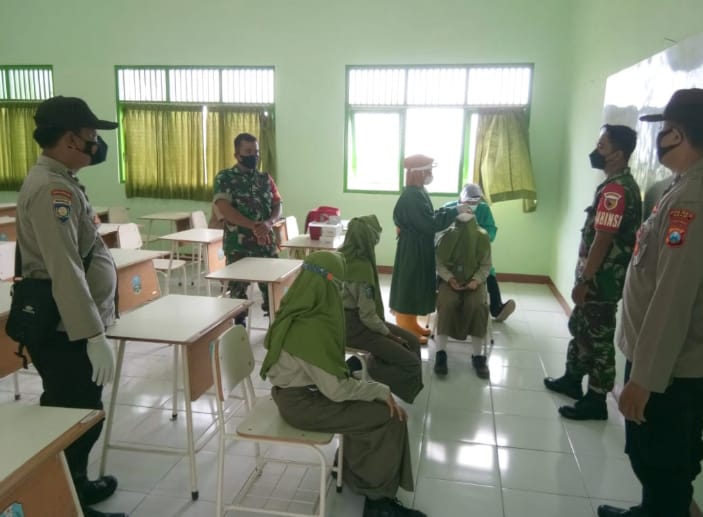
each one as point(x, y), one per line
point(310, 321)
point(363, 233)
point(462, 247)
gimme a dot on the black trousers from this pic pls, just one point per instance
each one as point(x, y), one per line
point(496, 302)
point(666, 451)
point(66, 373)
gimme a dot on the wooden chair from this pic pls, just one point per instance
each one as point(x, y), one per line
point(232, 364)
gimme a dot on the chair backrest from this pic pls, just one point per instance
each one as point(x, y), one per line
point(292, 229)
point(232, 361)
point(129, 237)
point(117, 215)
point(198, 219)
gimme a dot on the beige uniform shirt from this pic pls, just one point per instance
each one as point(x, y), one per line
point(55, 231)
point(292, 372)
point(360, 295)
point(662, 323)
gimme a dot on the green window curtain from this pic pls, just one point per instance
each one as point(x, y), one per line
point(224, 124)
point(267, 143)
point(18, 150)
point(163, 152)
point(502, 164)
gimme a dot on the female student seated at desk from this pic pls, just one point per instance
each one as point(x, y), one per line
point(395, 352)
point(313, 390)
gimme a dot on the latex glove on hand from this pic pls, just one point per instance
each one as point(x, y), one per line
point(464, 208)
point(101, 359)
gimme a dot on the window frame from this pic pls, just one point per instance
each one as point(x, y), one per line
point(270, 108)
point(469, 110)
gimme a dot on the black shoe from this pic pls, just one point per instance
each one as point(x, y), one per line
point(94, 492)
point(265, 308)
point(591, 407)
point(480, 365)
point(567, 384)
point(91, 512)
point(240, 320)
point(354, 364)
point(440, 363)
point(605, 510)
point(506, 310)
point(388, 508)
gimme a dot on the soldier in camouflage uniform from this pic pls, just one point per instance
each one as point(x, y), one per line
point(607, 242)
point(249, 203)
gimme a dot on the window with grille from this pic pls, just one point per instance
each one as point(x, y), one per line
point(177, 125)
point(394, 112)
point(22, 89)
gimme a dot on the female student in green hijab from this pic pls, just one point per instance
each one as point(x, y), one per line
point(463, 264)
point(314, 391)
point(395, 352)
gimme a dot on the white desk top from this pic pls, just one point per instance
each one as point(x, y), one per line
point(197, 235)
point(304, 241)
point(175, 318)
point(27, 430)
point(257, 269)
point(125, 257)
point(106, 228)
point(6, 219)
point(8, 205)
point(167, 216)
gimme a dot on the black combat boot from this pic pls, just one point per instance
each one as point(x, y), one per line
point(567, 384)
point(591, 407)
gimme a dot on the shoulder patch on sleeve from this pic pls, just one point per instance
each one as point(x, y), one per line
point(61, 202)
point(611, 208)
point(679, 219)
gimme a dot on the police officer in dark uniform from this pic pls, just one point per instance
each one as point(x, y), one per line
point(661, 332)
point(58, 240)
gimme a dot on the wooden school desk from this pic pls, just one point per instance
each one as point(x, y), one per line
point(179, 221)
point(207, 237)
point(137, 281)
point(8, 228)
point(279, 274)
point(191, 323)
point(108, 232)
point(8, 209)
point(33, 470)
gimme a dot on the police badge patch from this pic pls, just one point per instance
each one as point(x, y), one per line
point(679, 219)
point(61, 203)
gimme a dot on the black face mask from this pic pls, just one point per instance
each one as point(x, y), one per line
point(249, 161)
point(597, 160)
point(663, 150)
point(100, 154)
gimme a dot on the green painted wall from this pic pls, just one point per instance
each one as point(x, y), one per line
point(608, 35)
point(310, 42)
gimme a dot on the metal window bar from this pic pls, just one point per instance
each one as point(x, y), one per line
point(26, 83)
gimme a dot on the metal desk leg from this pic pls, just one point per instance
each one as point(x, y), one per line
point(113, 403)
point(194, 494)
point(174, 400)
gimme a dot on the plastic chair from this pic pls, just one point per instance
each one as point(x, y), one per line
point(232, 364)
point(128, 237)
point(362, 356)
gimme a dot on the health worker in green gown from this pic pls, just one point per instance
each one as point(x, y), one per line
point(414, 281)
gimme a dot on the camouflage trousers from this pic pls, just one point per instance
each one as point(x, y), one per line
point(591, 351)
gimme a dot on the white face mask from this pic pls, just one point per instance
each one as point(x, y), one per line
point(465, 217)
point(428, 179)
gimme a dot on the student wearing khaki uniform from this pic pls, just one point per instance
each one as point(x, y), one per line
point(313, 390)
point(395, 352)
point(58, 240)
point(661, 334)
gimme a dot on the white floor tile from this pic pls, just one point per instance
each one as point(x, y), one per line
point(524, 432)
point(520, 503)
point(437, 497)
point(539, 471)
point(453, 461)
